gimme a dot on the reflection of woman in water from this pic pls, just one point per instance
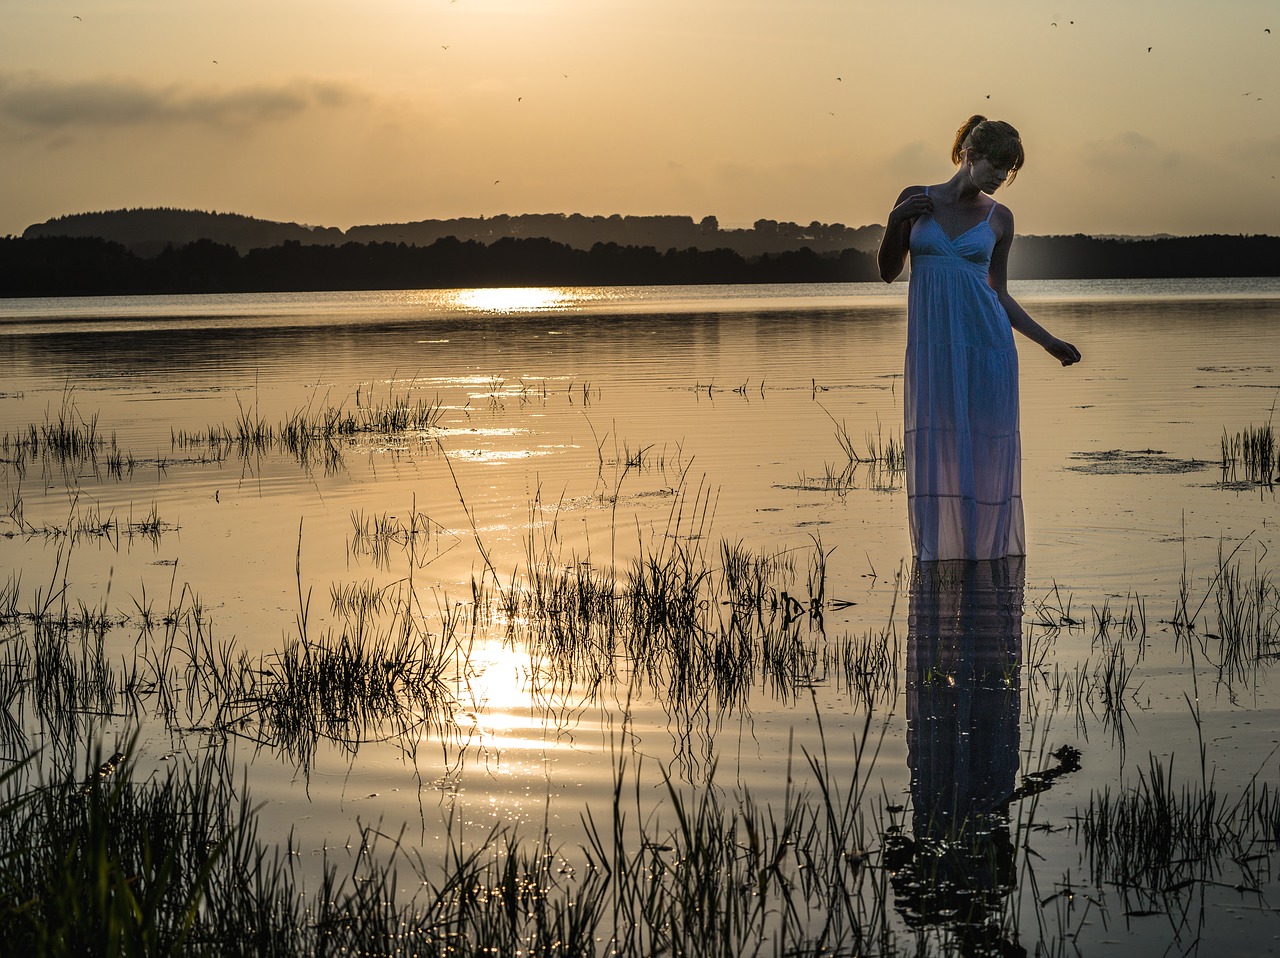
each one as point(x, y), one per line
point(963, 685)
point(962, 442)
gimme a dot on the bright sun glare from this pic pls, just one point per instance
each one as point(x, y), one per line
point(513, 299)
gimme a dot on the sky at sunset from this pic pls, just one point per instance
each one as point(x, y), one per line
point(1138, 116)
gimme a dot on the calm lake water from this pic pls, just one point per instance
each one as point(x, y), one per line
point(583, 429)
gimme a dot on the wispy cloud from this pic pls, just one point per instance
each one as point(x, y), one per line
point(1131, 151)
point(39, 103)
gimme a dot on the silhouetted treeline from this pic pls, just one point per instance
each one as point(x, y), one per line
point(80, 265)
point(149, 231)
point(85, 265)
point(1089, 257)
point(660, 232)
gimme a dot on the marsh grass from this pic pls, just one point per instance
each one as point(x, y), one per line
point(701, 622)
point(889, 452)
point(358, 599)
point(375, 680)
point(702, 634)
point(349, 691)
point(317, 435)
point(1158, 838)
point(1106, 683)
point(420, 538)
point(68, 443)
point(1240, 628)
point(884, 460)
point(1250, 455)
point(868, 669)
point(90, 522)
point(111, 861)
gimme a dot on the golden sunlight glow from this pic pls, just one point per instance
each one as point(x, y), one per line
point(513, 299)
point(497, 701)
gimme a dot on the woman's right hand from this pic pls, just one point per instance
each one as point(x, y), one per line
point(917, 204)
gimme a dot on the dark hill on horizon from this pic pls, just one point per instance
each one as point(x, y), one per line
point(147, 232)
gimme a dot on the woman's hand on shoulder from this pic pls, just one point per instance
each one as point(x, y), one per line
point(912, 202)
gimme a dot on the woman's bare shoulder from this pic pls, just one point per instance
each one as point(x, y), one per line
point(1002, 221)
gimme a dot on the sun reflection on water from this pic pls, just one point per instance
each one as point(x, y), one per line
point(515, 299)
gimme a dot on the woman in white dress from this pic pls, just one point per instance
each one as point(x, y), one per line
point(963, 450)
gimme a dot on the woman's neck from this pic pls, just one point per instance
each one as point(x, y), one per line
point(960, 190)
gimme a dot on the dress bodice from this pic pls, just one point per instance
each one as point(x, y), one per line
point(974, 245)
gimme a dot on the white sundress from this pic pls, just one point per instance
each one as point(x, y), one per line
point(962, 444)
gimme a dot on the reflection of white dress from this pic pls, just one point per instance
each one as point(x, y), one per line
point(964, 621)
point(963, 450)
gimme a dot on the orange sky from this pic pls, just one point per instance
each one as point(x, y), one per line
point(340, 113)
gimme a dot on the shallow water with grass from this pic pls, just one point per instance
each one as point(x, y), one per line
point(589, 614)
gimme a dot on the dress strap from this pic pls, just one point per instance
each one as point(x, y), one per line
point(994, 204)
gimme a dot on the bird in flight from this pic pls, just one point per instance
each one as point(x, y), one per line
point(81, 19)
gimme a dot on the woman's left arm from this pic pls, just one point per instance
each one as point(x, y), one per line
point(998, 279)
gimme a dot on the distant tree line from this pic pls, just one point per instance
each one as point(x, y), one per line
point(61, 265)
point(1091, 257)
point(53, 265)
point(147, 231)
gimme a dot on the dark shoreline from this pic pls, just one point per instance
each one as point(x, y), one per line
point(88, 266)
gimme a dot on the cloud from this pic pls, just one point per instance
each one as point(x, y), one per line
point(916, 160)
point(1132, 151)
point(37, 103)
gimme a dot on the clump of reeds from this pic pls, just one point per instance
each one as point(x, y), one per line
point(1243, 629)
point(65, 440)
point(1251, 452)
point(89, 522)
point(420, 537)
point(251, 430)
point(357, 599)
point(1162, 838)
point(314, 434)
point(888, 453)
point(703, 633)
point(868, 668)
point(883, 458)
point(349, 691)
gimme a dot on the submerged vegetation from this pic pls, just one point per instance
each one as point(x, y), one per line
point(106, 849)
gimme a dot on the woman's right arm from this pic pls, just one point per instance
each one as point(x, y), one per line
point(896, 243)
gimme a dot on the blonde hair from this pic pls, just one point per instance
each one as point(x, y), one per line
point(994, 139)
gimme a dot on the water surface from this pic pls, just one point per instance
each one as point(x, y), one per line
point(582, 426)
